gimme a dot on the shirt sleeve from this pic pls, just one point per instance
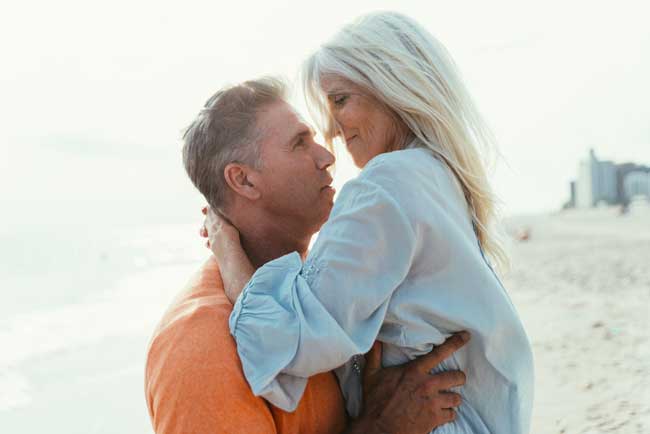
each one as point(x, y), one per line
point(294, 320)
point(194, 383)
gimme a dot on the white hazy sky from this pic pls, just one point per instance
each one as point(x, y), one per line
point(94, 95)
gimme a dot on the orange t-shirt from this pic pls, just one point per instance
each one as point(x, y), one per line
point(194, 382)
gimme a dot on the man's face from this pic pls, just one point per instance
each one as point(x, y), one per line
point(294, 180)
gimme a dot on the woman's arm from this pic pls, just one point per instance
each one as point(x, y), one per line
point(294, 320)
point(223, 239)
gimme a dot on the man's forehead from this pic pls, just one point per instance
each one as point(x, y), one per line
point(283, 121)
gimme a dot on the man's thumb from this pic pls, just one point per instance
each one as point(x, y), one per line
point(373, 360)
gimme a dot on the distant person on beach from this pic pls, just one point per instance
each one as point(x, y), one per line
point(407, 254)
point(194, 381)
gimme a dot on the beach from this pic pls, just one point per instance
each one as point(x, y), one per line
point(582, 286)
point(80, 303)
point(80, 309)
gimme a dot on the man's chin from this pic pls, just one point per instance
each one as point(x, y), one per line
point(325, 216)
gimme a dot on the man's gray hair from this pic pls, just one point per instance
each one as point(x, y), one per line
point(226, 131)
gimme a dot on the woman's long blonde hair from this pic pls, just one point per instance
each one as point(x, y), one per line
point(403, 66)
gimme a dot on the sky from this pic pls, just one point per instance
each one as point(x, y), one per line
point(95, 95)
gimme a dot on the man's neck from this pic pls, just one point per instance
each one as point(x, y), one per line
point(265, 238)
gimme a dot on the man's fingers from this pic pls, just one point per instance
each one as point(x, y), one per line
point(443, 351)
point(450, 399)
point(373, 361)
point(444, 381)
point(448, 415)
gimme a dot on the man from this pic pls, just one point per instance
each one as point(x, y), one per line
point(257, 163)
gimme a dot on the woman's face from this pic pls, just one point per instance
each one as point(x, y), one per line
point(367, 127)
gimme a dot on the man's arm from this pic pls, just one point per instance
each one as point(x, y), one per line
point(193, 381)
point(407, 399)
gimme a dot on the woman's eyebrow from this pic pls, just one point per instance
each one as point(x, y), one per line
point(335, 91)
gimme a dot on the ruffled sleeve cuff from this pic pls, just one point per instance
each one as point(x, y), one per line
point(268, 340)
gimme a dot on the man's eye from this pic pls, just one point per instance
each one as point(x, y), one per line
point(299, 143)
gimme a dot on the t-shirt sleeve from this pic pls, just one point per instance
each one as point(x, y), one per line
point(194, 382)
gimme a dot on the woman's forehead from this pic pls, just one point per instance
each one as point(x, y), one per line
point(331, 83)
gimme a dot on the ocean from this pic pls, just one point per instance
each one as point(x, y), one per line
point(81, 296)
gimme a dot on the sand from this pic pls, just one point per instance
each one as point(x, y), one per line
point(582, 286)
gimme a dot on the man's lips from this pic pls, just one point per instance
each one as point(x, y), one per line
point(328, 190)
point(328, 186)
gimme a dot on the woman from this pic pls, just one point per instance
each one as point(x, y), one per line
point(404, 256)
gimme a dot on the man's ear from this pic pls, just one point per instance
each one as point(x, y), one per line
point(239, 178)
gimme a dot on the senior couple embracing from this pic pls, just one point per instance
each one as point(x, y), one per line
point(395, 321)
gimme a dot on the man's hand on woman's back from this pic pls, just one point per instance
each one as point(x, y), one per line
point(407, 399)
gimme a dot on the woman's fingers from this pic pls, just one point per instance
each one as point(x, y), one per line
point(212, 223)
point(213, 228)
point(212, 219)
point(203, 231)
point(217, 223)
point(216, 217)
point(221, 234)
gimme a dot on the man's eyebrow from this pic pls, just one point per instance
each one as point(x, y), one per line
point(303, 132)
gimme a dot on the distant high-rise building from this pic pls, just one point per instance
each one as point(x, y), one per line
point(636, 183)
point(603, 182)
point(597, 182)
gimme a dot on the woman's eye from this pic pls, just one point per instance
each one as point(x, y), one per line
point(340, 99)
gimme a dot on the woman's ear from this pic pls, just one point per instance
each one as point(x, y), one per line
point(239, 178)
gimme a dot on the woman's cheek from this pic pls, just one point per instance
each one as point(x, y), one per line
point(343, 117)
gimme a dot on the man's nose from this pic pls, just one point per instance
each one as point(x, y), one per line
point(324, 158)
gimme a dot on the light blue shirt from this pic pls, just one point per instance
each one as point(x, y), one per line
point(398, 261)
